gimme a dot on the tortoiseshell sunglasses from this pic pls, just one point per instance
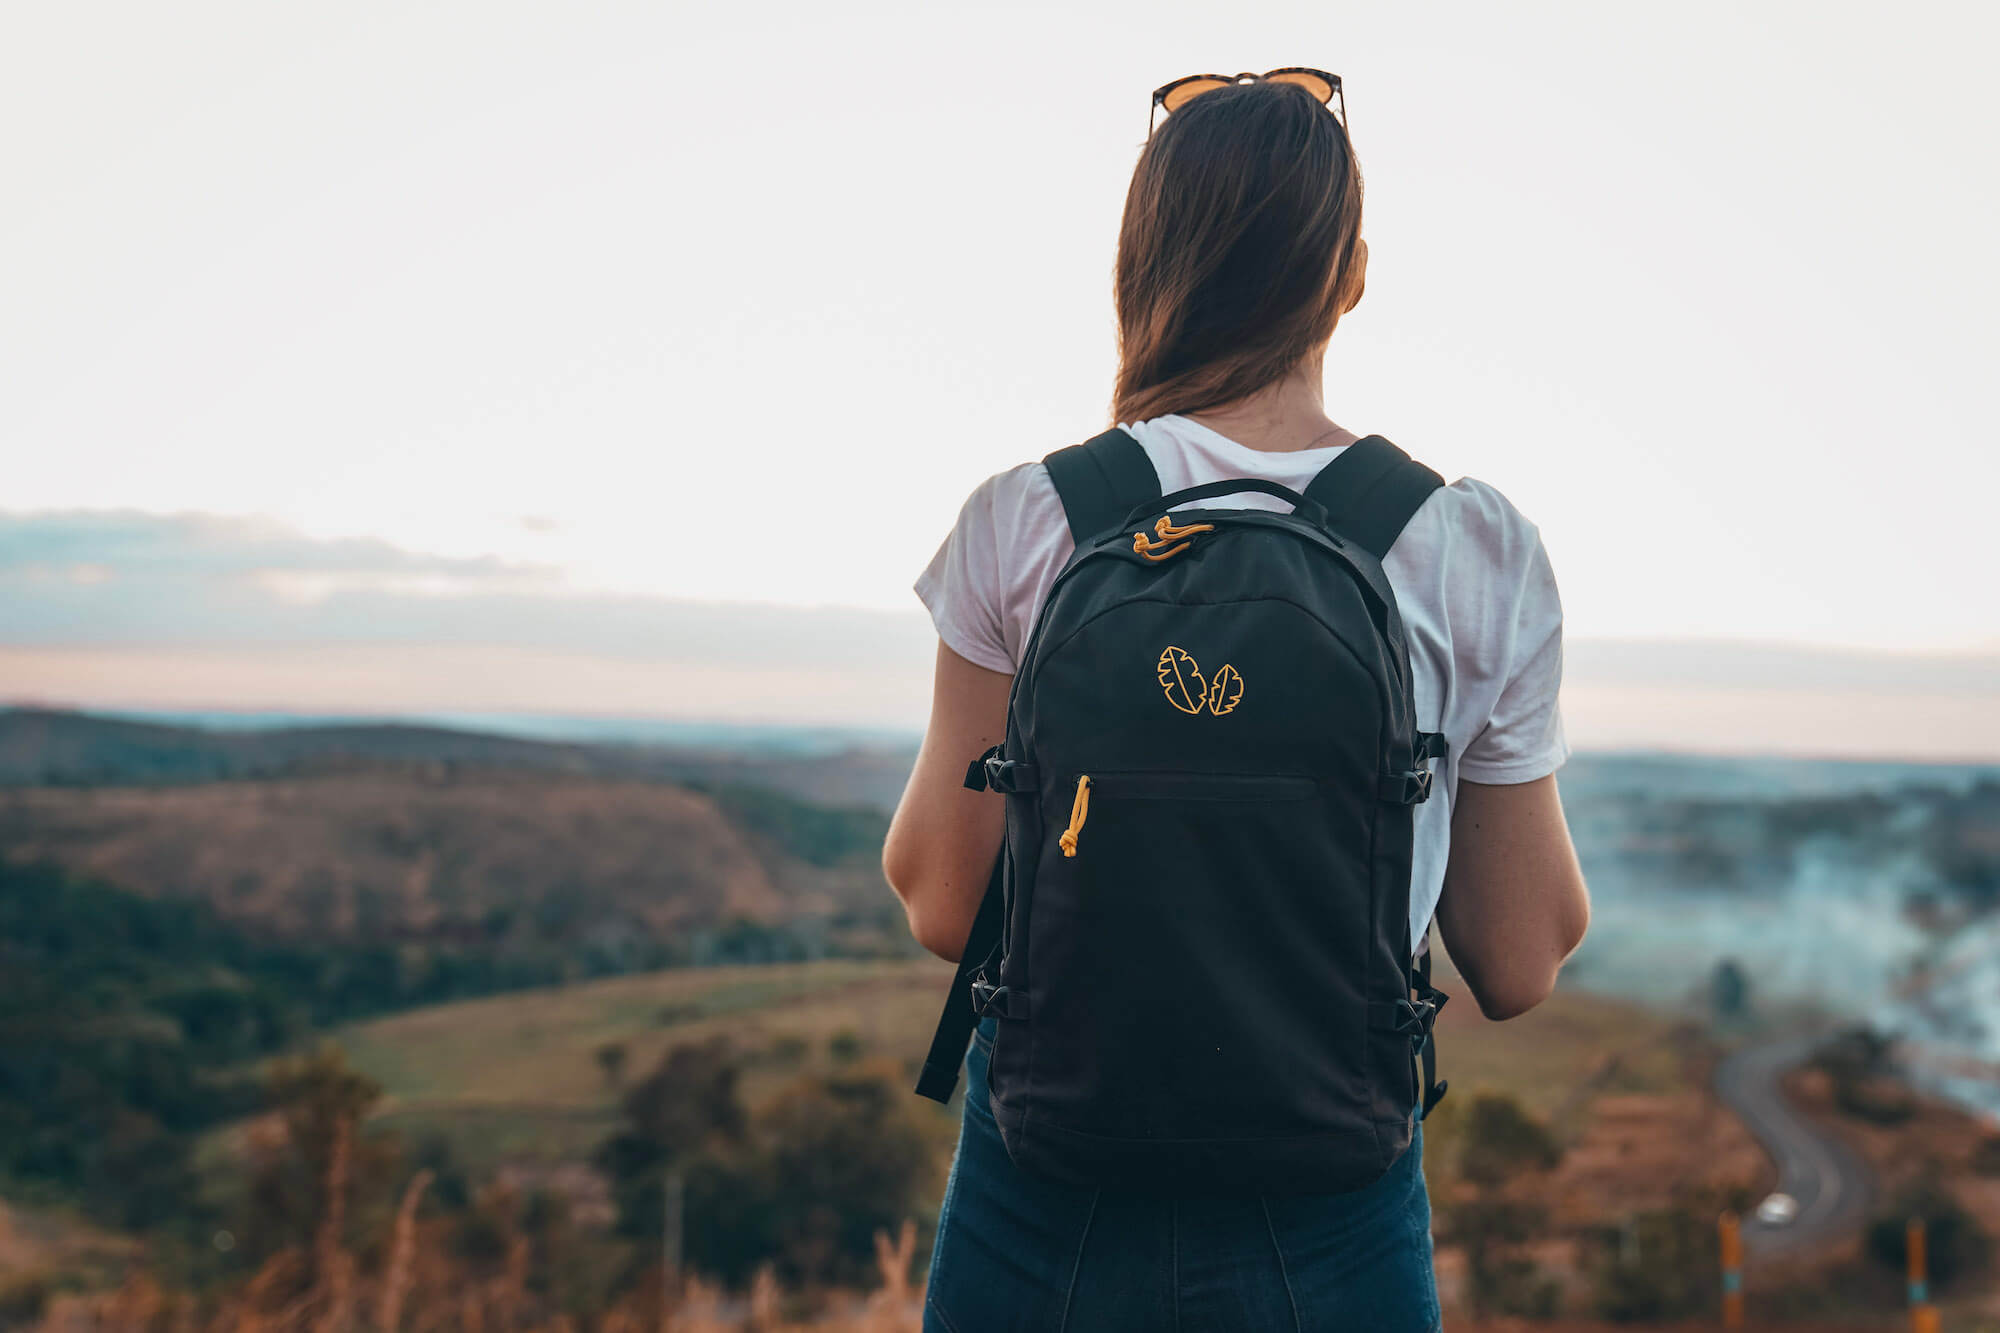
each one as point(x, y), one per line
point(1173, 96)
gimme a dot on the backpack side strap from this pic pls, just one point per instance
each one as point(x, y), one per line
point(1371, 491)
point(1102, 480)
point(940, 1072)
point(1432, 999)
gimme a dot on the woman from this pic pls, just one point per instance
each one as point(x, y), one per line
point(1239, 251)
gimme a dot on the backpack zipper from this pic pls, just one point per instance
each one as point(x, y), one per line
point(1079, 809)
point(1158, 786)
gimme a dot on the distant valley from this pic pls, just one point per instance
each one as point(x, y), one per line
point(522, 861)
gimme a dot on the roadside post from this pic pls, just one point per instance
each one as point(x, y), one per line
point(1731, 1232)
point(1923, 1315)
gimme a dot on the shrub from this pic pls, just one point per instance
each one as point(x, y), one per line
point(1955, 1245)
point(1985, 1158)
point(807, 1180)
point(1659, 1265)
point(1501, 1139)
point(1499, 1281)
point(24, 1298)
point(1860, 1064)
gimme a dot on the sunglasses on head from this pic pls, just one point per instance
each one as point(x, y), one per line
point(1173, 96)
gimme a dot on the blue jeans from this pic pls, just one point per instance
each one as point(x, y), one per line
point(1023, 1254)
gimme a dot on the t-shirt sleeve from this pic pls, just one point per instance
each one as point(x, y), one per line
point(1523, 738)
point(962, 586)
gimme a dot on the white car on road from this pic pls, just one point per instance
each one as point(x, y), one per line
point(1777, 1210)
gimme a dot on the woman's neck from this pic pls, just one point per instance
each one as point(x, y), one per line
point(1282, 417)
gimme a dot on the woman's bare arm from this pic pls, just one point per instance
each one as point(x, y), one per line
point(941, 844)
point(1515, 905)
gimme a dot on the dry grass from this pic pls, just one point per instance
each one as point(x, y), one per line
point(529, 1060)
point(320, 1288)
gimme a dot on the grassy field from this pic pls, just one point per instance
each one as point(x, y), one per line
point(517, 1078)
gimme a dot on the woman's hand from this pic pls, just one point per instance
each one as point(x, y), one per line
point(1514, 904)
point(939, 853)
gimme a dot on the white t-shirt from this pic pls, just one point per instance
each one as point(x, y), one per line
point(1472, 581)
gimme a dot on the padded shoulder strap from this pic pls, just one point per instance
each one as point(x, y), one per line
point(1102, 480)
point(1371, 491)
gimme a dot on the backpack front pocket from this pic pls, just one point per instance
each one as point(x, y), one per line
point(1158, 785)
point(1193, 947)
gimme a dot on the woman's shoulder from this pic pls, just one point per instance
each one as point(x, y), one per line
point(1012, 484)
point(1473, 518)
point(1014, 504)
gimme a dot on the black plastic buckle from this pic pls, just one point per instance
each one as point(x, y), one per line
point(985, 995)
point(1412, 787)
point(1411, 1019)
point(993, 771)
point(975, 772)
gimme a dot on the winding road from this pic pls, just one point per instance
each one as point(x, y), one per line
point(1829, 1180)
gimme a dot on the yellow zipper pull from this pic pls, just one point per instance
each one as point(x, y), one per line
point(1077, 811)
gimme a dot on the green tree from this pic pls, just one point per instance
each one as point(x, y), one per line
point(846, 1158)
point(1498, 1141)
point(1730, 990)
point(806, 1181)
point(687, 1116)
point(611, 1060)
point(320, 1100)
point(1860, 1063)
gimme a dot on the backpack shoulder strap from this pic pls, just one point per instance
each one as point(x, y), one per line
point(954, 1027)
point(1371, 491)
point(1102, 480)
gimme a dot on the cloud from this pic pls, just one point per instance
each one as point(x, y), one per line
point(191, 610)
point(131, 542)
point(130, 579)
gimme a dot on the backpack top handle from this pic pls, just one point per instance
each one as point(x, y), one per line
point(1304, 507)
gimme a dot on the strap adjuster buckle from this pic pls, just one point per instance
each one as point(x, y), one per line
point(1410, 787)
point(993, 771)
point(986, 995)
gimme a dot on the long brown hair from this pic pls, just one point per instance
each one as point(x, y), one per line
point(1235, 256)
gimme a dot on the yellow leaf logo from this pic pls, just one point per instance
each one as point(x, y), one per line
point(1189, 691)
point(1182, 681)
point(1225, 691)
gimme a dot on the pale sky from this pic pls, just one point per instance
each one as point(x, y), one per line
point(735, 303)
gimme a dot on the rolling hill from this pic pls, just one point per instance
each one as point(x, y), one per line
point(452, 855)
point(44, 747)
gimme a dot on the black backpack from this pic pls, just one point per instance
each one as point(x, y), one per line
point(1197, 938)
